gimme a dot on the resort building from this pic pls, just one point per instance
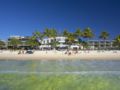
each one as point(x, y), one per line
point(21, 38)
point(61, 40)
point(101, 44)
point(46, 42)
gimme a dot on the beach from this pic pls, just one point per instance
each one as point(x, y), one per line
point(58, 55)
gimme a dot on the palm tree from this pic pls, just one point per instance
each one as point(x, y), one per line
point(65, 33)
point(32, 42)
point(104, 35)
point(87, 33)
point(38, 36)
point(117, 41)
point(70, 39)
point(84, 44)
point(78, 35)
point(47, 33)
point(14, 43)
point(53, 34)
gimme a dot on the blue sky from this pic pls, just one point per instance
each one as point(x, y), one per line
point(22, 17)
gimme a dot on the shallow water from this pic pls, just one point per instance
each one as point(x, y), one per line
point(80, 72)
point(59, 66)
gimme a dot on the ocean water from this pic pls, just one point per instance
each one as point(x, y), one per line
point(60, 75)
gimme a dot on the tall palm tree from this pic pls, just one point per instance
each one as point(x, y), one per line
point(87, 33)
point(51, 33)
point(117, 41)
point(32, 42)
point(38, 35)
point(65, 33)
point(70, 39)
point(104, 35)
point(78, 35)
point(47, 33)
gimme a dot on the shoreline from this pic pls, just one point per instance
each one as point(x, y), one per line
point(58, 55)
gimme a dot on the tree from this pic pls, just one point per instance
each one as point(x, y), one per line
point(2, 44)
point(104, 35)
point(87, 33)
point(32, 42)
point(117, 41)
point(70, 39)
point(53, 34)
point(14, 43)
point(38, 36)
point(84, 44)
point(50, 33)
point(65, 33)
point(47, 33)
point(78, 33)
point(54, 43)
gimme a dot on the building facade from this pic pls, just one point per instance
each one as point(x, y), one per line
point(101, 44)
point(46, 43)
point(21, 38)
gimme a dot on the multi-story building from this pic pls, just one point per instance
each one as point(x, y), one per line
point(46, 43)
point(101, 44)
point(60, 39)
point(3, 44)
point(21, 38)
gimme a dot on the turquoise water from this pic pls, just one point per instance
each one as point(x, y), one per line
point(78, 74)
point(59, 66)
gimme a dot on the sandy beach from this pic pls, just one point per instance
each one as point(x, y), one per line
point(58, 55)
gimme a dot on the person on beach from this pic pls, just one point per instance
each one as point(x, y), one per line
point(22, 51)
point(69, 53)
point(19, 52)
point(76, 52)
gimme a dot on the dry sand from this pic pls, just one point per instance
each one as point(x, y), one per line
point(58, 55)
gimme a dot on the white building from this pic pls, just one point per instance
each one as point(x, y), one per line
point(46, 41)
point(101, 44)
point(60, 39)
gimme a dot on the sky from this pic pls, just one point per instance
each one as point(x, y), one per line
point(23, 17)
